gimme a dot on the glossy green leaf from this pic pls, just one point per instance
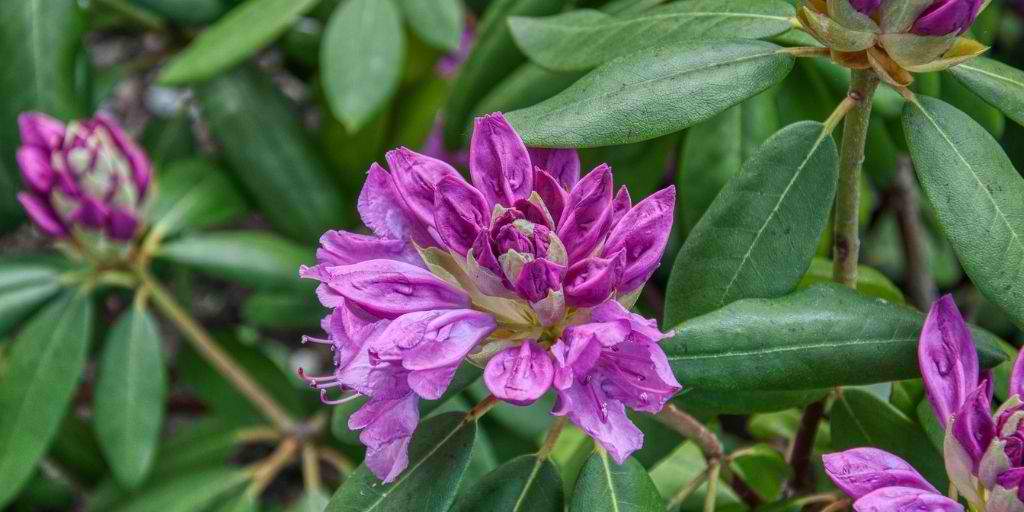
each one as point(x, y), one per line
point(188, 12)
point(283, 310)
point(715, 151)
point(41, 370)
point(438, 22)
point(311, 502)
point(187, 492)
point(77, 451)
point(859, 418)
point(130, 393)
point(583, 39)
point(244, 502)
point(168, 139)
point(604, 486)
point(267, 149)
point(254, 258)
point(961, 97)
point(1000, 85)
point(38, 43)
point(976, 193)
point(676, 86)
point(493, 57)
point(438, 457)
point(24, 285)
point(235, 37)
point(522, 484)
point(759, 235)
point(707, 402)
point(764, 469)
point(361, 57)
point(194, 194)
point(869, 281)
point(526, 86)
point(814, 338)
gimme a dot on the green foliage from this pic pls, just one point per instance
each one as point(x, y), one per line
point(521, 484)
point(604, 485)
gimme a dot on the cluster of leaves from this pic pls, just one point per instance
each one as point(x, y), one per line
point(278, 107)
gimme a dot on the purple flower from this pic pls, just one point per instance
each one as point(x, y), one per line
point(947, 17)
point(88, 175)
point(521, 271)
point(609, 364)
point(984, 452)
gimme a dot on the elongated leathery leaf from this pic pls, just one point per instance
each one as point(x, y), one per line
point(438, 458)
point(653, 92)
point(605, 486)
point(523, 484)
point(583, 39)
point(997, 83)
point(976, 193)
point(826, 335)
point(759, 235)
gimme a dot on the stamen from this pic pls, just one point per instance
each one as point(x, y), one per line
point(310, 339)
point(324, 399)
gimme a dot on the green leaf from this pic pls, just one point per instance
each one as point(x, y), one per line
point(188, 12)
point(361, 58)
point(194, 194)
point(1002, 86)
point(528, 85)
point(976, 193)
point(40, 372)
point(583, 39)
point(522, 484)
point(715, 151)
point(604, 485)
point(493, 57)
point(859, 418)
point(234, 38)
point(707, 402)
point(764, 469)
point(187, 492)
point(677, 86)
point(168, 139)
point(438, 22)
point(827, 335)
point(315, 501)
point(130, 393)
point(759, 235)
point(680, 467)
point(267, 149)
point(38, 43)
point(869, 281)
point(283, 310)
point(77, 451)
point(438, 457)
point(959, 96)
point(24, 285)
point(254, 258)
point(244, 502)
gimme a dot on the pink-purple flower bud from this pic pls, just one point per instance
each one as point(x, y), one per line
point(866, 6)
point(520, 375)
point(88, 175)
point(947, 17)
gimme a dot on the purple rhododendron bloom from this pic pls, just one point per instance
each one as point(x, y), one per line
point(86, 175)
point(523, 270)
point(946, 17)
point(984, 452)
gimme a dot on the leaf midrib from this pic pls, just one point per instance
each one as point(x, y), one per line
point(992, 74)
point(775, 350)
point(529, 482)
point(611, 483)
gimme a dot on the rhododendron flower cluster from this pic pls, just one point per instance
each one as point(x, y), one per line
point(86, 177)
point(984, 452)
point(527, 270)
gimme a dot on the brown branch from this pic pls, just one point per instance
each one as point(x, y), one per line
point(799, 457)
point(920, 285)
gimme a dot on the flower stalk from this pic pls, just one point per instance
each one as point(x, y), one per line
point(214, 354)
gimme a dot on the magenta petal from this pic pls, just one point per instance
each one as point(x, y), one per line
point(946, 17)
point(592, 281)
point(612, 311)
point(620, 206)
point(865, 6)
point(431, 384)
point(905, 499)
point(416, 177)
point(947, 358)
point(142, 169)
point(1012, 479)
point(973, 427)
point(383, 210)
point(91, 213)
point(389, 425)
point(390, 289)
point(587, 214)
point(434, 339)
point(643, 233)
point(562, 164)
point(553, 195)
point(42, 214)
point(538, 278)
point(1017, 377)
point(35, 169)
point(460, 214)
point(498, 161)
point(860, 471)
point(602, 418)
point(520, 375)
point(121, 224)
point(339, 248)
point(40, 130)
